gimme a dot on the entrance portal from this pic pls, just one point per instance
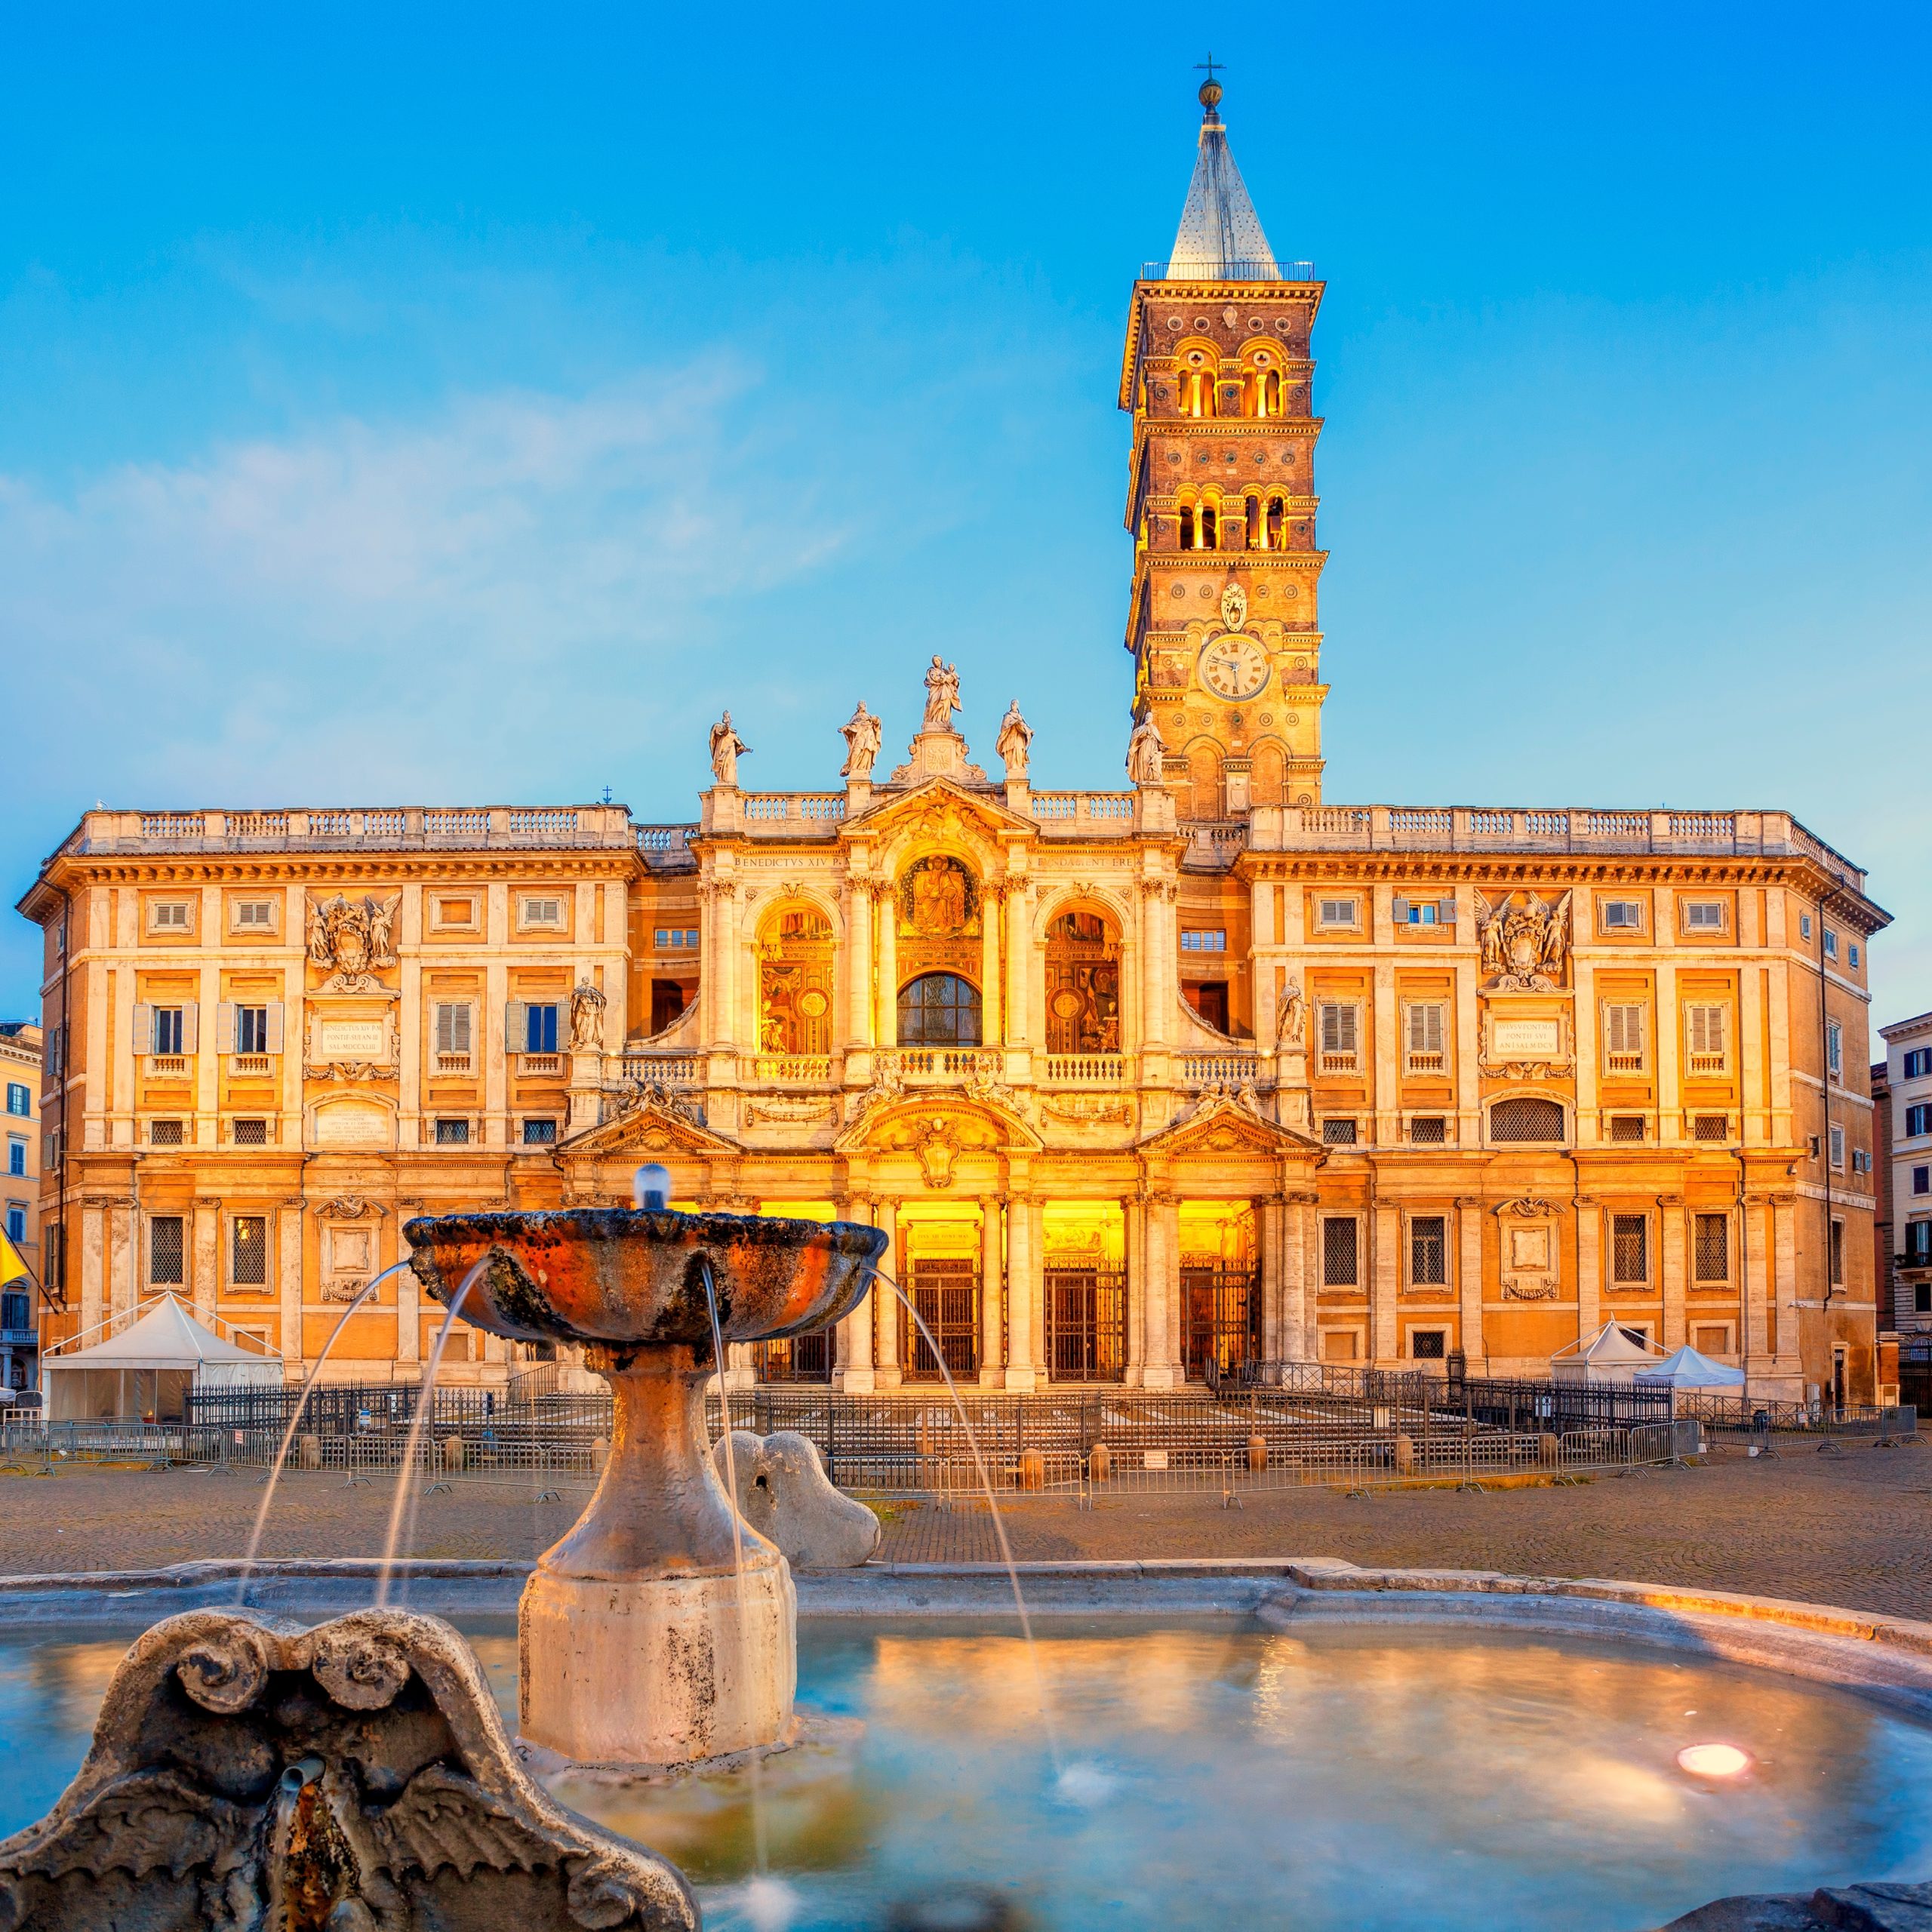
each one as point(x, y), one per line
point(945, 1291)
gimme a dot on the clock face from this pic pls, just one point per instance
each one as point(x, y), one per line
point(1233, 667)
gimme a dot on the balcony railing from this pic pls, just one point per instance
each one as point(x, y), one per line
point(1105, 813)
point(1210, 1069)
point(809, 810)
point(385, 827)
point(943, 1065)
point(1086, 1069)
point(1185, 269)
point(665, 1069)
point(792, 1069)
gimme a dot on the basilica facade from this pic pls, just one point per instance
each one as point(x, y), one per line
point(1141, 1082)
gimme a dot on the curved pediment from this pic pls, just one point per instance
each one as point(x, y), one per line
point(893, 1122)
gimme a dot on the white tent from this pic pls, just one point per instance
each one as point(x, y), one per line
point(1686, 1369)
point(1614, 1354)
point(148, 1368)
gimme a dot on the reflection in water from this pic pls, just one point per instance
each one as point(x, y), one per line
point(1219, 1775)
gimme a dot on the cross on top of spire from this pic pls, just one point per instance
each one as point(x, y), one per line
point(1211, 88)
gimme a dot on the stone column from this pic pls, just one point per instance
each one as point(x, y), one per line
point(1162, 1368)
point(1590, 1265)
point(1670, 1090)
point(992, 1286)
point(1469, 1211)
point(1670, 1228)
point(1385, 1274)
point(1268, 1230)
point(1385, 1032)
point(124, 1287)
point(1755, 1260)
point(852, 1364)
point(992, 1020)
point(1784, 1290)
point(1020, 999)
point(1023, 1292)
point(858, 965)
point(408, 1296)
point(93, 1286)
point(885, 1026)
point(206, 1264)
point(1133, 1253)
point(885, 1304)
point(1298, 1218)
point(288, 1269)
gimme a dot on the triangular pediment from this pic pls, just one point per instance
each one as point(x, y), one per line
point(936, 801)
point(1220, 1124)
point(648, 1128)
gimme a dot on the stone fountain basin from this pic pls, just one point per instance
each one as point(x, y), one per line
point(627, 1277)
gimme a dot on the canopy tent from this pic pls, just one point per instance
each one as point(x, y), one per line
point(1613, 1354)
point(1687, 1370)
point(148, 1369)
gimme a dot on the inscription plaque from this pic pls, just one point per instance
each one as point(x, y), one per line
point(1526, 1039)
point(351, 1039)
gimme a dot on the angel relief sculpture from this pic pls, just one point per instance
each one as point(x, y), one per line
point(352, 940)
point(1524, 944)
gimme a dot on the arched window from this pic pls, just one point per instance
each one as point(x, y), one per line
point(1209, 538)
point(1271, 529)
point(1253, 535)
point(1187, 526)
point(1271, 393)
point(1266, 786)
point(1526, 1117)
point(1204, 771)
point(1083, 985)
point(939, 1010)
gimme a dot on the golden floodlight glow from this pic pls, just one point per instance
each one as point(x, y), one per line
point(1714, 1761)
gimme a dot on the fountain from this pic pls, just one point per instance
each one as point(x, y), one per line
point(644, 1643)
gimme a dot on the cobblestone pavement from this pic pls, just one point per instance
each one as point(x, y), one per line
point(1855, 1530)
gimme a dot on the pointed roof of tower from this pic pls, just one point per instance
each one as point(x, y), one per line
point(1220, 237)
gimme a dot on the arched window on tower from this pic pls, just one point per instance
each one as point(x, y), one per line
point(1210, 537)
point(1267, 785)
point(1255, 538)
point(1204, 770)
point(1271, 393)
point(1187, 526)
point(1271, 529)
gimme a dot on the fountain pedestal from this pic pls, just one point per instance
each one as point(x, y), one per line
point(640, 1646)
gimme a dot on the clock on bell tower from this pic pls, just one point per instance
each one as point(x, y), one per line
point(1223, 622)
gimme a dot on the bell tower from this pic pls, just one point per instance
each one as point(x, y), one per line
point(1224, 625)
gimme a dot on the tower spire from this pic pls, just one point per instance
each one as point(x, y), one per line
point(1220, 237)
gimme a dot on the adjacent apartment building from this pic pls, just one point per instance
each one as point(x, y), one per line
point(19, 1199)
point(1141, 1082)
point(1904, 1144)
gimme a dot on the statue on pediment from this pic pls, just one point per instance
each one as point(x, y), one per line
point(586, 1018)
point(861, 733)
point(1015, 737)
point(726, 748)
point(942, 696)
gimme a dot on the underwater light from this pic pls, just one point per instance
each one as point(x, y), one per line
point(1713, 1761)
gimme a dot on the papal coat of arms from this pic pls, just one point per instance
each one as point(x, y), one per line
point(1523, 941)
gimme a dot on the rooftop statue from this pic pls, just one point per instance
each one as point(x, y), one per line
point(942, 696)
point(861, 733)
point(1015, 737)
point(726, 748)
point(1143, 753)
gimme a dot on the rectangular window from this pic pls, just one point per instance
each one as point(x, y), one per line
point(1838, 1145)
point(251, 1133)
point(165, 1133)
point(540, 1030)
point(1704, 915)
point(1834, 1049)
point(168, 915)
point(539, 1133)
point(1853, 958)
point(1705, 1029)
point(248, 1251)
point(251, 1029)
point(254, 915)
point(1429, 1130)
point(1406, 912)
point(1427, 1344)
point(1338, 912)
point(677, 939)
point(1203, 938)
point(1711, 1341)
point(1918, 1063)
point(1424, 1030)
point(543, 912)
point(1339, 1237)
point(169, 1034)
point(16, 1154)
point(1621, 915)
point(1629, 1250)
point(1838, 1254)
point(1917, 1244)
point(456, 912)
point(1338, 1133)
point(17, 1220)
point(452, 1133)
point(165, 1251)
point(453, 1031)
point(1713, 1247)
point(1341, 1029)
point(19, 1100)
point(1921, 1180)
point(1830, 943)
point(1917, 1120)
point(1429, 1251)
point(1623, 1037)
point(1805, 925)
point(1626, 1126)
point(1710, 1126)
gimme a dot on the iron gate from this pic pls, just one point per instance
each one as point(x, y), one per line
point(945, 1291)
point(1220, 1313)
point(1086, 1325)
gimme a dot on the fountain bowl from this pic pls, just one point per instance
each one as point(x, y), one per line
point(661, 1632)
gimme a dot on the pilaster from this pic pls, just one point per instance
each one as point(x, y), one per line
point(1025, 1289)
point(1670, 1220)
point(1470, 1211)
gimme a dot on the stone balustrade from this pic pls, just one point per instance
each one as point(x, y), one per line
point(369, 828)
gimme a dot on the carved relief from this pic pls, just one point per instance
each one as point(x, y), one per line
point(340, 1049)
point(586, 1018)
point(790, 1111)
point(1088, 1109)
point(351, 941)
point(1524, 944)
point(1530, 1265)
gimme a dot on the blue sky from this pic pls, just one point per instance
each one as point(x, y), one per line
point(435, 403)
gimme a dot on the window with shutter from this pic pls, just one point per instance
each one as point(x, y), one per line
point(542, 911)
point(1704, 915)
point(1340, 1026)
point(1705, 1029)
point(1621, 915)
point(539, 1028)
point(1623, 1037)
point(1713, 1247)
point(1340, 1240)
point(1337, 912)
point(254, 915)
point(453, 1044)
point(168, 915)
point(1425, 1030)
point(1838, 1146)
point(1834, 1049)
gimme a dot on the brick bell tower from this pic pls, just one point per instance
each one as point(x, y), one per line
point(1224, 623)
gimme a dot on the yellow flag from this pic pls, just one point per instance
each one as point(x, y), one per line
point(12, 1268)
